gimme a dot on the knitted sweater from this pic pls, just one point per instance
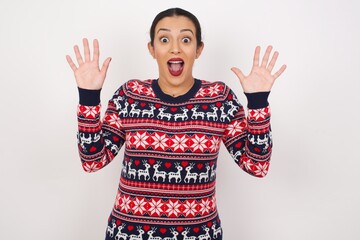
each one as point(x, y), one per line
point(167, 184)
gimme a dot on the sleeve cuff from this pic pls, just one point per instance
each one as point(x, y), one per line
point(89, 97)
point(257, 100)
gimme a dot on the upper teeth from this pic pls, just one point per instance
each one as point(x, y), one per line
point(175, 62)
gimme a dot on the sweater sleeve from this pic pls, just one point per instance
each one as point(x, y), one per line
point(99, 141)
point(248, 138)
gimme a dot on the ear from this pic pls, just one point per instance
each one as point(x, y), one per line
point(151, 49)
point(199, 50)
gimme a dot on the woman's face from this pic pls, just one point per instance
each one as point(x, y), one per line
point(175, 49)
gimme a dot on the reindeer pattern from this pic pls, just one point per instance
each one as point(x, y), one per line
point(129, 231)
point(170, 156)
point(172, 171)
point(223, 111)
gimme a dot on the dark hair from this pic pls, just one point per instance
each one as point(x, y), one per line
point(176, 12)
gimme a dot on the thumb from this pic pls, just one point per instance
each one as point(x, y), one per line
point(105, 66)
point(238, 73)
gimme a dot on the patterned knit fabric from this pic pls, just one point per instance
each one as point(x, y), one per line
point(167, 185)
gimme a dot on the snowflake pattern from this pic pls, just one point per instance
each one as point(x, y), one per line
point(157, 207)
point(136, 87)
point(176, 146)
point(139, 206)
point(113, 120)
point(173, 208)
point(190, 208)
point(128, 140)
point(205, 207)
point(149, 92)
point(247, 163)
point(160, 141)
point(261, 169)
point(199, 143)
point(89, 111)
point(259, 114)
point(214, 144)
point(176, 143)
point(125, 203)
point(201, 93)
point(179, 143)
point(215, 89)
point(140, 140)
point(91, 166)
point(236, 127)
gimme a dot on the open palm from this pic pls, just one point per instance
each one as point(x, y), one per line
point(88, 75)
point(260, 78)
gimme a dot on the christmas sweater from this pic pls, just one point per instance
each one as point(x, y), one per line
point(167, 185)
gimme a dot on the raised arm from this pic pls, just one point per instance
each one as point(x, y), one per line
point(98, 141)
point(248, 138)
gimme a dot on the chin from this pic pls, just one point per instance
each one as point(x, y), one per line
point(176, 81)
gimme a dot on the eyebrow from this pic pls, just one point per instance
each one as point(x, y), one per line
point(182, 30)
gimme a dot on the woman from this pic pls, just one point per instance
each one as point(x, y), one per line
point(172, 127)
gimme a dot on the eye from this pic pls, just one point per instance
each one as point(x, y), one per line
point(186, 40)
point(164, 40)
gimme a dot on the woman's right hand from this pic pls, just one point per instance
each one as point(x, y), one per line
point(88, 75)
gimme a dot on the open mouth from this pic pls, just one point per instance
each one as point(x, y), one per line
point(175, 66)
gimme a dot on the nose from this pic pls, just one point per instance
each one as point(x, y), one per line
point(175, 48)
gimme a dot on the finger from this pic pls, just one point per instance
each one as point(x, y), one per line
point(86, 50)
point(78, 55)
point(96, 50)
point(238, 73)
point(273, 61)
point(71, 63)
point(266, 57)
point(105, 66)
point(278, 73)
point(256, 56)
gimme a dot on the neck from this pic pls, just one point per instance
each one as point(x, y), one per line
point(176, 90)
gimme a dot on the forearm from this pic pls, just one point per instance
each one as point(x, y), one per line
point(251, 144)
point(98, 141)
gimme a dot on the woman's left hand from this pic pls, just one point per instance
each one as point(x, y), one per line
point(260, 78)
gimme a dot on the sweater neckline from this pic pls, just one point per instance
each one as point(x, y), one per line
point(170, 99)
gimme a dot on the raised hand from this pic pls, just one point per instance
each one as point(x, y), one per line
point(88, 75)
point(260, 78)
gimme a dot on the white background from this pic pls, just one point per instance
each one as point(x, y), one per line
point(312, 189)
